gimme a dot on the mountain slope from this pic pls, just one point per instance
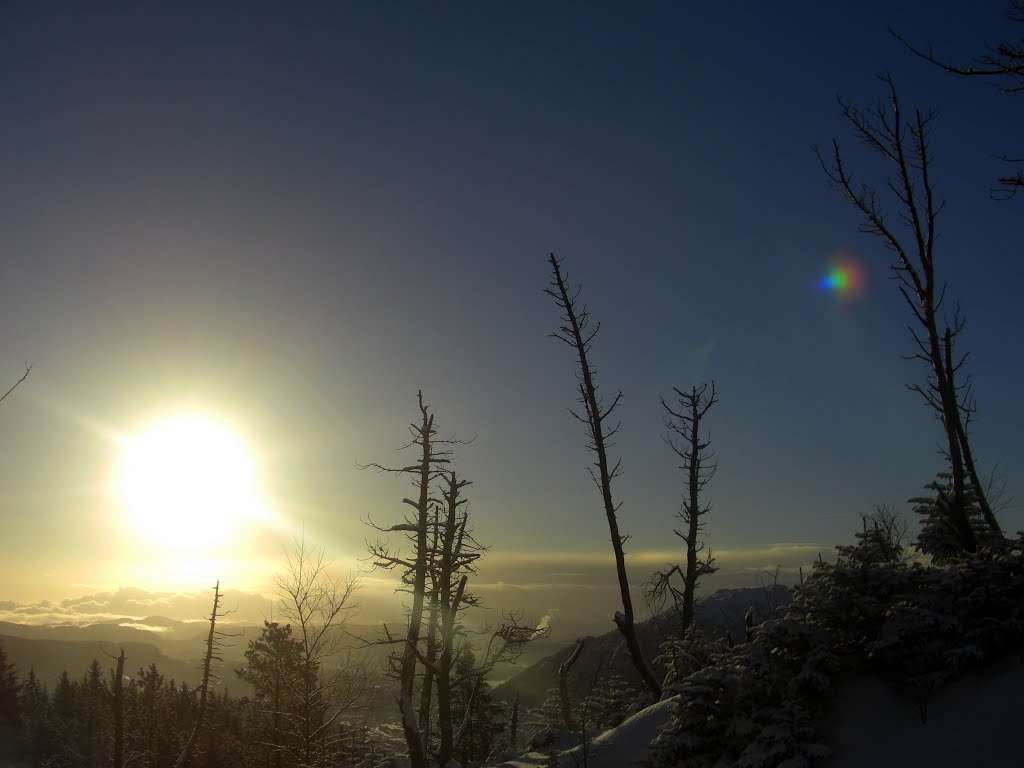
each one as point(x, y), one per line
point(717, 614)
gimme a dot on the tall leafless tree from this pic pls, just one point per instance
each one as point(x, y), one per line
point(115, 695)
point(433, 456)
point(436, 570)
point(683, 425)
point(28, 369)
point(577, 332)
point(564, 704)
point(1002, 62)
point(318, 605)
point(902, 141)
point(214, 644)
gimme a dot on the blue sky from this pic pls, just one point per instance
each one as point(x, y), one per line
point(296, 216)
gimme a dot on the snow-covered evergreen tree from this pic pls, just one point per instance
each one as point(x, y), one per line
point(939, 537)
point(607, 704)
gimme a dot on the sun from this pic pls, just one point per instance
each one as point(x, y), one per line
point(187, 482)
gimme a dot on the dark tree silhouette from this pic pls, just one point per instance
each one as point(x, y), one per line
point(318, 606)
point(436, 570)
point(213, 647)
point(10, 710)
point(683, 424)
point(275, 670)
point(578, 334)
point(1003, 62)
point(433, 456)
point(903, 143)
point(28, 369)
point(565, 705)
point(115, 694)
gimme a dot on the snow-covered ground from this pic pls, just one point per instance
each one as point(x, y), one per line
point(620, 747)
point(972, 724)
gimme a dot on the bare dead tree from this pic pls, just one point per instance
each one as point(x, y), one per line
point(996, 490)
point(451, 565)
point(28, 369)
point(318, 605)
point(451, 561)
point(683, 424)
point(513, 723)
point(903, 143)
point(577, 332)
point(563, 686)
point(115, 695)
point(1002, 62)
point(442, 556)
point(433, 456)
point(890, 531)
point(214, 643)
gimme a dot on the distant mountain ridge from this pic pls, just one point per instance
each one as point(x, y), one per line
point(48, 657)
point(175, 646)
point(720, 613)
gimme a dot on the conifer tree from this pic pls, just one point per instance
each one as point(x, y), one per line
point(484, 724)
point(275, 671)
point(10, 709)
point(37, 720)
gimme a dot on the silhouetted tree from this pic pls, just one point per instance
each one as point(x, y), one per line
point(318, 605)
point(887, 526)
point(40, 736)
point(10, 710)
point(28, 369)
point(96, 731)
point(937, 538)
point(1004, 63)
point(214, 641)
point(115, 695)
point(149, 740)
point(683, 424)
point(903, 144)
point(565, 705)
point(275, 669)
point(473, 705)
point(433, 456)
point(436, 570)
point(577, 332)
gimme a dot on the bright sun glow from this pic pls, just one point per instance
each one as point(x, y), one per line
point(187, 482)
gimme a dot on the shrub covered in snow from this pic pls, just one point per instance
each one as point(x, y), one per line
point(938, 537)
point(754, 705)
point(758, 705)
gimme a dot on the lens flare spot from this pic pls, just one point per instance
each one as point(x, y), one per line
point(845, 279)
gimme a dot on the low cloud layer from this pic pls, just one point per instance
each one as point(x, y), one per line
point(134, 605)
point(571, 593)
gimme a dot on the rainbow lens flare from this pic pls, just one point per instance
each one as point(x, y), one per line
point(845, 279)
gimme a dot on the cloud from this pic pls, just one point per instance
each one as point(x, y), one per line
point(547, 618)
point(570, 592)
point(146, 627)
point(133, 605)
point(738, 566)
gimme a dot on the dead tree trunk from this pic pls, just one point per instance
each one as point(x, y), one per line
point(416, 571)
point(684, 439)
point(513, 724)
point(576, 333)
point(410, 725)
point(211, 646)
point(568, 721)
point(117, 704)
point(903, 143)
